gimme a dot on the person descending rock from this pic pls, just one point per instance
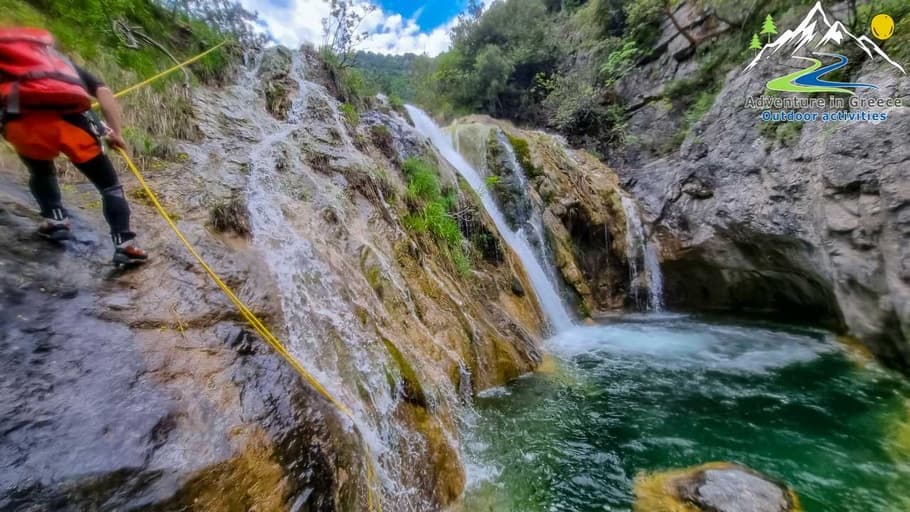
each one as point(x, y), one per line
point(46, 102)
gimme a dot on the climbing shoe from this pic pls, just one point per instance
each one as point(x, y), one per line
point(128, 254)
point(56, 230)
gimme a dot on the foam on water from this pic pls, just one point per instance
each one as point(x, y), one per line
point(679, 342)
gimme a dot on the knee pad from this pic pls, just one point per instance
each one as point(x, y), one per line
point(115, 191)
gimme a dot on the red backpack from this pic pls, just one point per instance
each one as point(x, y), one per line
point(35, 76)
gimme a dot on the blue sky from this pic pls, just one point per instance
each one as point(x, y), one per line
point(429, 15)
point(395, 27)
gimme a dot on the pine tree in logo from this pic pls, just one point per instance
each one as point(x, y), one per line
point(756, 43)
point(769, 27)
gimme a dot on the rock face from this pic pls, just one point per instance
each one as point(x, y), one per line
point(715, 487)
point(145, 390)
point(578, 199)
point(805, 223)
point(815, 232)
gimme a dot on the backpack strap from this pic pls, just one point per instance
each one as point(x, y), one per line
point(12, 99)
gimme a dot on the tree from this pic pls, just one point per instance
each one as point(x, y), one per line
point(491, 70)
point(769, 27)
point(712, 9)
point(341, 34)
point(756, 43)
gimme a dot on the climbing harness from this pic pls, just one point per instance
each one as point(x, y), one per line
point(373, 503)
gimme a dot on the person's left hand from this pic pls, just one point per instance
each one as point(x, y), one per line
point(115, 140)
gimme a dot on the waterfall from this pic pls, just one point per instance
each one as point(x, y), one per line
point(639, 250)
point(550, 300)
point(323, 331)
point(531, 227)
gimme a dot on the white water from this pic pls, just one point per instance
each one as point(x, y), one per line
point(323, 332)
point(639, 248)
point(533, 230)
point(550, 301)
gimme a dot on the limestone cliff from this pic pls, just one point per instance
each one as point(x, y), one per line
point(805, 223)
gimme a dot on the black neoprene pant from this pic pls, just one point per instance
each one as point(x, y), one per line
point(100, 171)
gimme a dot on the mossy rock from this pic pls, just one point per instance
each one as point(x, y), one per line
point(713, 487)
point(252, 481)
point(523, 153)
point(231, 216)
point(446, 481)
point(410, 384)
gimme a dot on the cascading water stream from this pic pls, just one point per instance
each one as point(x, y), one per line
point(322, 329)
point(640, 249)
point(532, 230)
point(550, 300)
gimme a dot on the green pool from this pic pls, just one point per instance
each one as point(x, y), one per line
point(650, 393)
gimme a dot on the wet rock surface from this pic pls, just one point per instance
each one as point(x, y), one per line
point(146, 390)
point(114, 397)
point(582, 221)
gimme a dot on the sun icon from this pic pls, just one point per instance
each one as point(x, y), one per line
point(883, 26)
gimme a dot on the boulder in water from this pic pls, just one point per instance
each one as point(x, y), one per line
point(714, 487)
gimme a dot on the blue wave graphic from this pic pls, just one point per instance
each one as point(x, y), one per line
point(813, 79)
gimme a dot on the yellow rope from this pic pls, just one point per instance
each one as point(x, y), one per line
point(373, 504)
point(264, 332)
point(165, 72)
point(260, 328)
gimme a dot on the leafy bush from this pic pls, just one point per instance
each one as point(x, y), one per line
point(396, 103)
point(432, 210)
point(348, 84)
point(619, 63)
point(643, 19)
point(350, 114)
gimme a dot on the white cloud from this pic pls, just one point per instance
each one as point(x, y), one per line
point(300, 21)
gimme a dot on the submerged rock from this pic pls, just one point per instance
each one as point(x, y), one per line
point(713, 487)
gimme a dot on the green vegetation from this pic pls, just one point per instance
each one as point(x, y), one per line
point(523, 154)
point(565, 64)
point(492, 181)
point(898, 47)
point(85, 30)
point(394, 75)
point(350, 114)
point(432, 210)
point(349, 83)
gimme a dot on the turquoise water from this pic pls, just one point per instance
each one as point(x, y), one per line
point(646, 394)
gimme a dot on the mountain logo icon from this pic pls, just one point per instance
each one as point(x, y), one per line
point(812, 34)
